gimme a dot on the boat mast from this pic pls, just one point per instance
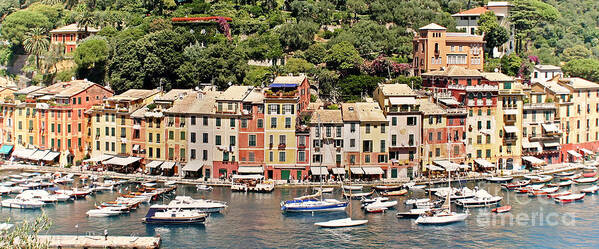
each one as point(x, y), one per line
point(321, 158)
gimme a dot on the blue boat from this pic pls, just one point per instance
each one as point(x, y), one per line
point(313, 205)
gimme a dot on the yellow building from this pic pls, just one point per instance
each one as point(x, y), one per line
point(112, 127)
point(509, 121)
point(434, 133)
point(374, 154)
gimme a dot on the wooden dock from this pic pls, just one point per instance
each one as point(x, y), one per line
point(73, 241)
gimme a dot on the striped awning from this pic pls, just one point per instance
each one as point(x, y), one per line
point(153, 164)
point(193, 165)
point(167, 165)
point(122, 161)
point(574, 153)
point(357, 171)
point(484, 163)
point(373, 170)
point(338, 171)
point(585, 151)
point(250, 170)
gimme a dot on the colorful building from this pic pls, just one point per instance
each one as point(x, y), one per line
point(201, 125)
point(435, 49)
point(402, 112)
point(70, 35)
point(285, 99)
point(326, 137)
point(435, 147)
point(541, 129)
point(374, 134)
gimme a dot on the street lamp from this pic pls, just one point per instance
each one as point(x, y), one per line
point(77, 227)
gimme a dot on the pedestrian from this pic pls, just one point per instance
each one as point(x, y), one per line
point(105, 234)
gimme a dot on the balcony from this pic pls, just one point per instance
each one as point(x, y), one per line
point(481, 88)
point(301, 146)
point(510, 139)
point(282, 146)
point(282, 94)
point(537, 106)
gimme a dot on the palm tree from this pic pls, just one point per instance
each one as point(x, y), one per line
point(36, 43)
point(85, 19)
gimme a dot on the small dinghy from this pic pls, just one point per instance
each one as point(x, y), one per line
point(346, 222)
point(572, 177)
point(502, 209)
point(565, 174)
point(515, 185)
point(500, 179)
point(590, 190)
point(586, 180)
point(174, 216)
point(387, 187)
point(354, 187)
point(326, 190)
point(104, 212)
point(357, 195)
point(543, 191)
point(590, 174)
point(395, 193)
point(528, 189)
point(569, 198)
point(414, 201)
point(371, 200)
point(375, 209)
point(560, 184)
point(413, 213)
point(563, 193)
point(203, 187)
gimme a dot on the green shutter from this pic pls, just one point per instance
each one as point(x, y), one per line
point(285, 174)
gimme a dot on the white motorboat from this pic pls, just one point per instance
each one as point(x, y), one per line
point(352, 187)
point(22, 203)
point(381, 204)
point(586, 180)
point(104, 212)
point(561, 183)
point(569, 198)
point(346, 222)
point(39, 195)
point(481, 199)
point(357, 195)
point(413, 213)
point(456, 193)
point(313, 205)
point(371, 200)
point(590, 190)
point(16, 189)
point(175, 216)
point(188, 203)
point(499, 179)
point(414, 201)
point(325, 190)
point(5, 190)
point(204, 187)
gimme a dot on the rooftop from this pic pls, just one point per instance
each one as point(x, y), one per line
point(497, 77)
point(73, 28)
point(396, 90)
point(430, 108)
point(64, 89)
point(175, 94)
point(235, 93)
point(289, 80)
point(350, 112)
point(28, 90)
point(547, 67)
point(134, 94)
point(472, 12)
point(579, 83)
point(256, 96)
point(554, 87)
point(455, 71)
point(370, 112)
point(205, 103)
point(326, 116)
point(433, 26)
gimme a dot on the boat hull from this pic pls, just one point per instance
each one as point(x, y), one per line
point(441, 220)
point(171, 220)
point(348, 222)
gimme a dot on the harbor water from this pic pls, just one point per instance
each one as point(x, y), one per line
point(254, 220)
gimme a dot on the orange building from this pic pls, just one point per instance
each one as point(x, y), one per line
point(436, 49)
point(70, 35)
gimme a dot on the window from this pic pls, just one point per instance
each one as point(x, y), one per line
point(488, 139)
point(260, 123)
point(394, 121)
point(150, 137)
point(367, 146)
point(338, 131)
point(301, 156)
point(382, 129)
point(171, 153)
point(204, 120)
point(192, 154)
point(252, 140)
point(316, 158)
point(488, 154)
point(479, 139)
point(479, 124)
point(112, 131)
point(150, 152)
point(193, 122)
point(244, 123)
point(282, 139)
point(171, 135)
point(367, 159)
point(217, 140)
point(352, 143)
point(182, 135)
point(488, 124)
point(411, 121)
point(287, 122)
point(383, 146)
point(439, 136)
point(367, 128)
point(251, 156)
point(281, 156)
point(232, 140)
point(218, 122)
point(205, 138)
point(192, 137)
point(271, 156)
point(328, 131)
point(437, 152)
point(352, 127)
point(393, 140)
point(273, 122)
point(479, 153)
point(232, 123)
point(123, 132)
point(411, 139)
point(430, 136)
point(204, 155)
point(123, 148)
point(456, 150)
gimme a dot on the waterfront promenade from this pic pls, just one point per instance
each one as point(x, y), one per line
point(471, 176)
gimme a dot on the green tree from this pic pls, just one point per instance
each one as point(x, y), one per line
point(527, 15)
point(294, 36)
point(315, 53)
point(25, 235)
point(576, 53)
point(353, 87)
point(327, 83)
point(91, 57)
point(343, 56)
point(495, 34)
point(52, 12)
point(85, 17)
point(583, 68)
point(17, 24)
point(36, 43)
point(298, 65)
point(355, 7)
point(511, 64)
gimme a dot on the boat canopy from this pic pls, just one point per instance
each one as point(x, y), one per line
point(533, 160)
point(373, 170)
point(249, 177)
point(250, 170)
point(357, 171)
point(193, 165)
point(434, 168)
point(449, 166)
point(6, 149)
point(574, 153)
point(338, 171)
point(484, 163)
point(319, 171)
point(154, 164)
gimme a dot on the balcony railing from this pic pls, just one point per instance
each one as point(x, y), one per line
point(533, 106)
